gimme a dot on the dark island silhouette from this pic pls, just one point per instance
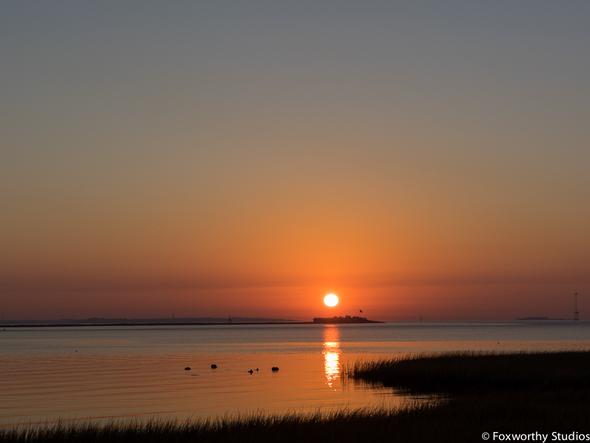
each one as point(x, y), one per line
point(341, 320)
point(188, 321)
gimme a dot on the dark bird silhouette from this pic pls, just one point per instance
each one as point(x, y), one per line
point(275, 368)
point(213, 366)
point(250, 372)
point(188, 368)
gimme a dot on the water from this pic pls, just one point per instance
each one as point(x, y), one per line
point(106, 373)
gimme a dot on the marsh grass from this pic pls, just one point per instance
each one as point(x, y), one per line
point(479, 372)
point(327, 427)
point(460, 420)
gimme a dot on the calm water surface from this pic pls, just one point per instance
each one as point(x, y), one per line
point(105, 373)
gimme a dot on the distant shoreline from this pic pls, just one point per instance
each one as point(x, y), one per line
point(244, 323)
point(277, 322)
point(69, 325)
point(186, 322)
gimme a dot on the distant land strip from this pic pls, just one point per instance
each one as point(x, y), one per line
point(70, 324)
point(61, 325)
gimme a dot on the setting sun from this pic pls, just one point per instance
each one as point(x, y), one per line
point(331, 300)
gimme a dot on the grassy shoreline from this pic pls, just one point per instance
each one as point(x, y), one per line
point(517, 392)
point(475, 372)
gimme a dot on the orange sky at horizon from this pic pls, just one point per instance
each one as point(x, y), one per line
point(207, 160)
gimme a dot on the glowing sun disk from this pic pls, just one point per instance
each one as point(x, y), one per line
point(331, 300)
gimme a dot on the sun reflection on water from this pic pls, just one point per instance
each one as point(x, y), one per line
point(331, 355)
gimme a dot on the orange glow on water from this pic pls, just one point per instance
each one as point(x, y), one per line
point(331, 355)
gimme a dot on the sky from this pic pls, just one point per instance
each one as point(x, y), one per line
point(421, 159)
